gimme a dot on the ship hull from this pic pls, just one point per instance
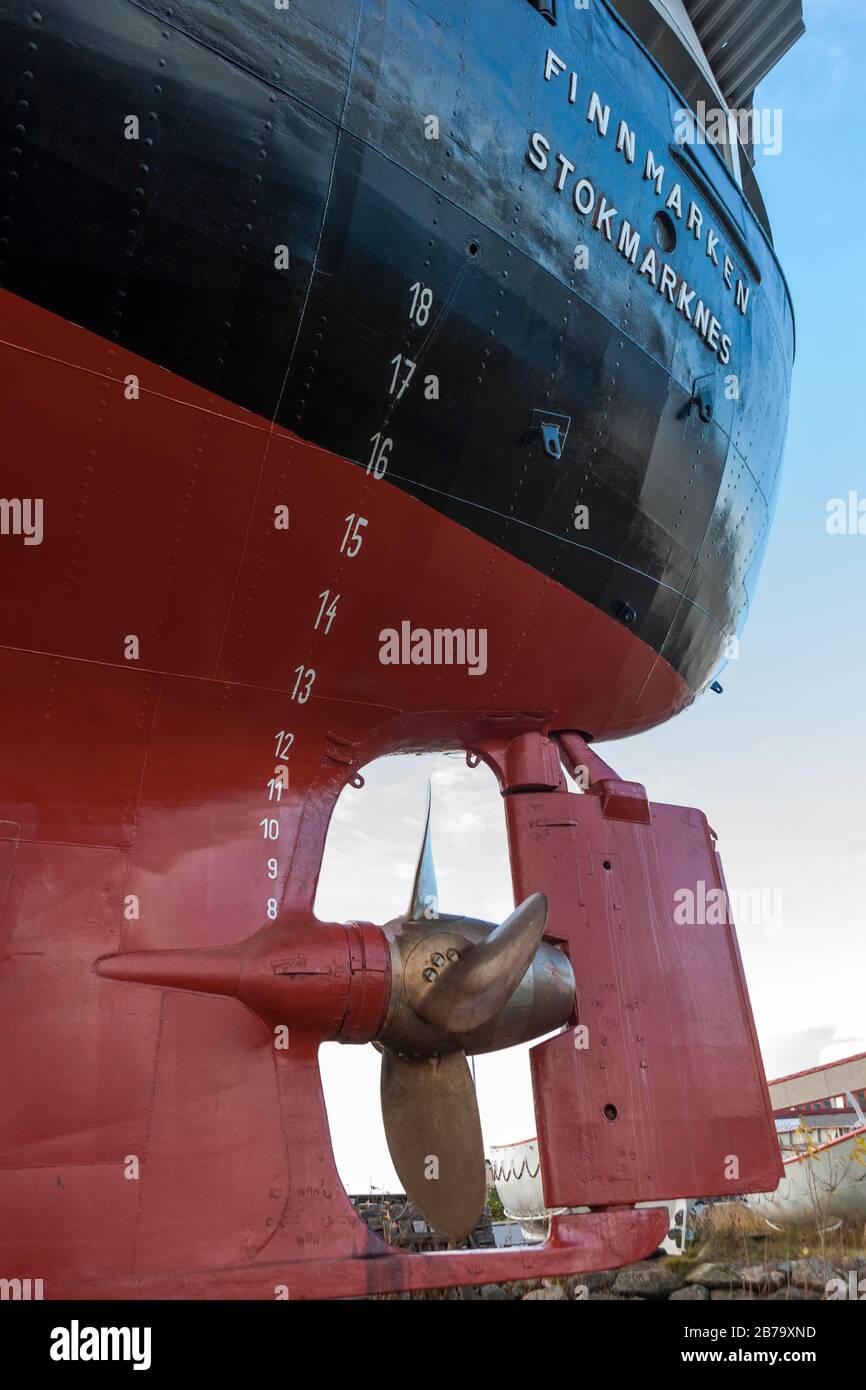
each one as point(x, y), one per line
point(199, 425)
point(272, 232)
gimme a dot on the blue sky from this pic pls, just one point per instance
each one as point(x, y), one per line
point(778, 761)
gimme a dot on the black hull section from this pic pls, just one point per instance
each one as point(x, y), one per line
point(307, 129)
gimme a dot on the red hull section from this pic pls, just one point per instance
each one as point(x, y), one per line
point(159, 521)
point(153, 1143)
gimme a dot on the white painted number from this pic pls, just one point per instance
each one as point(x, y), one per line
point(398, 362)
point(270, 829)
point(272, 868)
point(328, 612)
point(284, 742)
point(422, 299)
point(378, 464)
point(303, 684)
point(352, 534)
point(272, 908)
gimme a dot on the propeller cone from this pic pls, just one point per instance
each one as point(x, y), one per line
point(434, 1137)
point(209, 970)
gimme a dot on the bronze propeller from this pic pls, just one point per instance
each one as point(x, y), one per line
point(459, 986)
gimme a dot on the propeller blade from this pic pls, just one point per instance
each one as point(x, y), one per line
point(425, 890)
point(434, 1137)
point(466, 993)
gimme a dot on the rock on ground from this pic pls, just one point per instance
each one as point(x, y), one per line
point(811, 1273)
point(761, 1277)
point(649, 1279)
point(713, 1276)
point(596, 1281)
point(793, 1295)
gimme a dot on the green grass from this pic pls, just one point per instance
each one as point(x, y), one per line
point(745, 1248)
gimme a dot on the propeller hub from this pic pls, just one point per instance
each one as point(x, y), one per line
point(428, 964)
